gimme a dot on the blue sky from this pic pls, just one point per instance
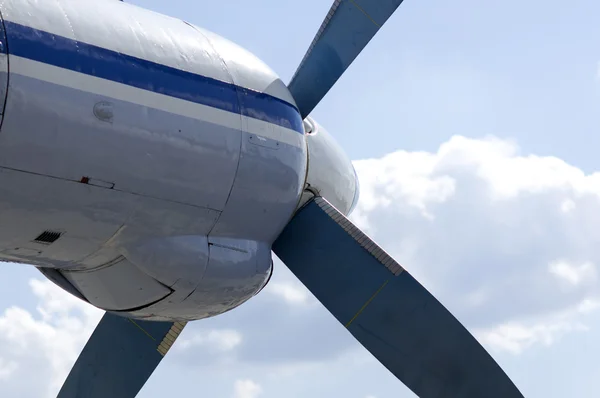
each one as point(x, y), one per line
point(474, 126)
point(513, 69)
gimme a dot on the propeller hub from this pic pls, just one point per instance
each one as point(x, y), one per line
point(330, 171)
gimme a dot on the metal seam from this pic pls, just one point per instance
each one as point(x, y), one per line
point(367, 303)
point(142, 329)
point(364, 12)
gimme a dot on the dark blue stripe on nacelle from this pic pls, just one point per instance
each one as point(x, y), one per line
point(92, 60)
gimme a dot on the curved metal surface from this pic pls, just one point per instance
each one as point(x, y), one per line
point(152, 109)
point(330, 171)
point(169, 137)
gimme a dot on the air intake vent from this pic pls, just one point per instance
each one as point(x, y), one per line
point(48, 237)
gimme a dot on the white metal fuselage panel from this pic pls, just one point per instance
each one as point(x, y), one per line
point(163, 155)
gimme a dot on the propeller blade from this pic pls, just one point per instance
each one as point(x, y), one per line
point(346, 30)
point(119, 357)
point(386, 309)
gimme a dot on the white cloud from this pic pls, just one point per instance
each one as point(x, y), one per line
point(567, 205)
point(7, 368)
point(246, 388)
point(574, 274)
point(418, 179)
point(221, 340)
point(484, 228)
point(46, 343)
point(587, 306)
point(402, 176)
point(515, 337)
point(293, 293)
point(508, 174)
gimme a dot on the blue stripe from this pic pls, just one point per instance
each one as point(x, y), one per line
point(92, 60)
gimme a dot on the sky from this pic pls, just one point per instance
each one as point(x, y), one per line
point(473, 127)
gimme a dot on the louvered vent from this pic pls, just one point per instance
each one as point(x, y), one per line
point(48, 237)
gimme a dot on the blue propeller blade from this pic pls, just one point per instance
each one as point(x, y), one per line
point(386, 309)
point(346, 30)
point(119, 357)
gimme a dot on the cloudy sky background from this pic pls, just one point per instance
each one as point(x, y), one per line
point(474, 129)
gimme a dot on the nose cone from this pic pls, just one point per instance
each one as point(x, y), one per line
point(330, 171)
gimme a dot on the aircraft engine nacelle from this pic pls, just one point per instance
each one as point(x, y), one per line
point(330, 171)
point(172, 278)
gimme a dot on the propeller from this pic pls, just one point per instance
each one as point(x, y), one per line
point(346, 30)
point(386, 309)
point(119, 357)
point(380, 303)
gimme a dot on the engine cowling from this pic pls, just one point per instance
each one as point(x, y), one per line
point(176, 278)
point(330, 171)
